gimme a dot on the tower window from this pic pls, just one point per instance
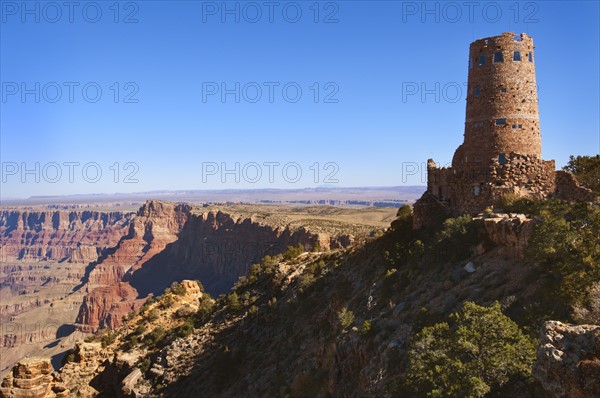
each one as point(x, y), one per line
point(500, 122)
point(477, 91)
point(514, 126)
point(530, 57)
point(517, 56)
point(476, 190)
point(498, 57)
point(520, 126)
point(502, 89)
point(502, 158)
point(470, 63)
point(481, 60)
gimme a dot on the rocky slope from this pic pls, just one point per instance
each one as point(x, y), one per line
point(311, 323)
point(281, 334)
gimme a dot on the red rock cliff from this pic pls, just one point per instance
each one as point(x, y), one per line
point(76, 236)
point(169, 242)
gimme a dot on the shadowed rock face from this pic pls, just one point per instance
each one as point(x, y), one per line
point(568, 363)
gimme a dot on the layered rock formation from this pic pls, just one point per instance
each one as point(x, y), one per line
point(30, 378)
point(168, 242)
point(76, 236)
point(43, 256)
point(568, 364)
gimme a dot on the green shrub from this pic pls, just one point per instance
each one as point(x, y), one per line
point(565, 242)
point(272, 301)
point(178, 289)
point(454, 241)
point(144, 365)
point(186, 328)
point(108, 338)
point(156, 337)
point(233, 300)
point(293, 252)
point(70, 357)
point(133, 340)
point(305, 281)
point(166, 302)
point(152, 316)
point(205, 310)
point(403, 224)
point(389, 284)
point(587, 171)
point(184, 311)
point(267, 267)
point(512, 203)
point(367, 327)
point(405, 212)
point(346, 317)
point(479, 350)
point(141, 328)
point(147, 305)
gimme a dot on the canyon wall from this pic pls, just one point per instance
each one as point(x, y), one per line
point(74, 236)
point(168, 242)
point(43, 257)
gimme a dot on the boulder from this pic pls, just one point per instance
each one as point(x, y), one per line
point(568, 360)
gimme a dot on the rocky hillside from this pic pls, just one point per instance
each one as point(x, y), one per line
point(348, 322)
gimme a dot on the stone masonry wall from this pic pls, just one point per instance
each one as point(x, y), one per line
point(568, 188)
point(471, 191)
point(524, 176)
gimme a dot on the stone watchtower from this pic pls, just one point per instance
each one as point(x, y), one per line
point(502, 104)
point(502, 148)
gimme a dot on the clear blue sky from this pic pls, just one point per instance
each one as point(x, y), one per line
point(177, 52)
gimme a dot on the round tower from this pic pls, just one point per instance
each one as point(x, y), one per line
point(502, 103)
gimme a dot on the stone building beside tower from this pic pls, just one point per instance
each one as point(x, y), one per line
point(502, 149)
